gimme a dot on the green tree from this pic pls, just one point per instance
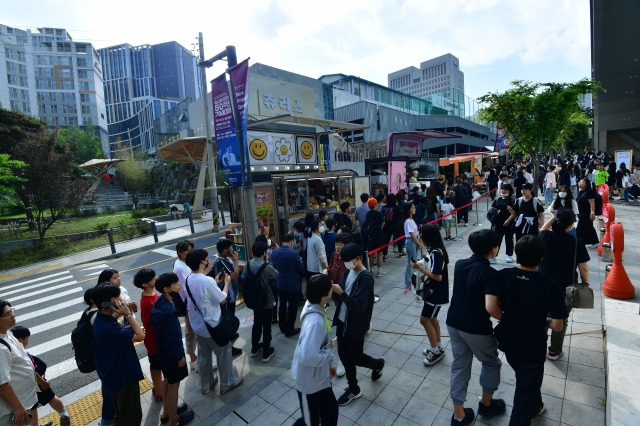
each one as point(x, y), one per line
point(8, 179)
point(541, 117)
point(133, 171)
point(87, 144)
point(52, 184)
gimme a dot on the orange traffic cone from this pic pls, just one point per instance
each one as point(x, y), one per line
point(618, 285)
point(608, 216)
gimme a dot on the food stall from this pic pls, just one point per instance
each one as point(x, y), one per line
point(469, 163)
point(405, 150)
point(289, 181)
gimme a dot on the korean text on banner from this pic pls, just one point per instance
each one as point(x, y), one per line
point(239, 75)
point(225, 131)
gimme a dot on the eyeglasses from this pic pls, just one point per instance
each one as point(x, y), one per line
point(11, 312)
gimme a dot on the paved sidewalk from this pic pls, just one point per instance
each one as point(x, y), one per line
point(574, 387)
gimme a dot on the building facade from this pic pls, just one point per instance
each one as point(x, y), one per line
point(434, 76)
point(48, 75)
point(141, 83)
point(615, 59)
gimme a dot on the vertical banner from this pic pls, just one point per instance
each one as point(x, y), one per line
point(239, 75)
point(503, 141)
point(327, 156)
point(225, 131)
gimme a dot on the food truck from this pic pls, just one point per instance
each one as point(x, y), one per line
point(470, 163)
point(405, 155)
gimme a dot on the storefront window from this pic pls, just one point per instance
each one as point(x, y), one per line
point(345, 184)
point(322, 193)
point(297, 198)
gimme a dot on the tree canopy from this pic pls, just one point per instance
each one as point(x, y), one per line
point(51, 183)
point(87, 144)
point(7, 176)
point(540, 117)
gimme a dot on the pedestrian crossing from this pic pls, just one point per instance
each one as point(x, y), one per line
point(50, 305)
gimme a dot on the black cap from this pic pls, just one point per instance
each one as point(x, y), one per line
point(527, 186)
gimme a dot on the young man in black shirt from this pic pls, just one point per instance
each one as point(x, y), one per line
point(476, 287)
point(527, 296)
point(527, 212)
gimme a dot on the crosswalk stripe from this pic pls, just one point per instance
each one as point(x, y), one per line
point(103, 266)
point(8, 293)
point(55, 323)
point(93, 274)
point(50, 345)
point(34, 293)
point(61, 368)
point(47, 298)
point(35, 314)
point(22, 283)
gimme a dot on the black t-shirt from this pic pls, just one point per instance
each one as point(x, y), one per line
point(528, 224)
point(526, 298)
point(439, 188)
point(473, 278)
point(558, 260)
point(517, 184)
point(440, 295)
point(461, 194)
point(584, 206)
point(501, 204)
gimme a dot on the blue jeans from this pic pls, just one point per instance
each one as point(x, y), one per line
point(626, 195)
point(548, 196)
point(411, 254)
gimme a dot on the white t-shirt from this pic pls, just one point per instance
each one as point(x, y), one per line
point(16, 368)
point(182, 271)
point(550, 180)
point(574, 207)
point(208, 296)
point(446, 209)
point(410, 226)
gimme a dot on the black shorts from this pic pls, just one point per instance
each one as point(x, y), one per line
point(175, 375)
point(430, 311)
point(45, 396)
point(154, 362)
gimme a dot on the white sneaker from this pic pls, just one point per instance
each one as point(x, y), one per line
point(193, 365)
point(509, 259)
point(380, 273)
point(340, 371)
point(214, 366)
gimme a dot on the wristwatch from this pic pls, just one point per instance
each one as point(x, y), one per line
point(128, 316)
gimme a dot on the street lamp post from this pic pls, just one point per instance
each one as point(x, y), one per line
point(247, 194)
point(215, 210)
point(164, 178)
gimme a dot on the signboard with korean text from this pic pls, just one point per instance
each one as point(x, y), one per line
point(307, 150)
point(624, 157)
point(405, 145)
point(275, 97)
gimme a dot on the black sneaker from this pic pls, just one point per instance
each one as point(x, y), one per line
point(349, 396)
point(497, 407)
point(469, 415)
point(235, 351)
point(433, 357)
point(376, 374)
point(256, 351)
point(268, 353)
point(185, 418)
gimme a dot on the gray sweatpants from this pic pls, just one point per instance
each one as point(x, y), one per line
point(464, 346)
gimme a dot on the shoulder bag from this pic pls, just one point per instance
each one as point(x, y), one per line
point(578, 295)
point(226, 328)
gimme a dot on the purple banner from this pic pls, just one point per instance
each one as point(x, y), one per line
point(239, 75)
point(225, 131)
point(503, 141)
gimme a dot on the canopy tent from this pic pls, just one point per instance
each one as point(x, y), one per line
point(99, 162)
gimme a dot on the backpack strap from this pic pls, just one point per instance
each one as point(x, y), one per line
point(186, 283)
point(4, 342)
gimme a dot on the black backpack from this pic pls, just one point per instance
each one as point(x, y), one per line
point(254, 294)
point(82, 341)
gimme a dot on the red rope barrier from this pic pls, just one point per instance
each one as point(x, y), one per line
point(382, 247)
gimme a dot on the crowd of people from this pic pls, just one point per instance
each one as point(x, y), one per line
point(337, 259)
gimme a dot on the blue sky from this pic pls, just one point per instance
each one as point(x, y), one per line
point(497, 41)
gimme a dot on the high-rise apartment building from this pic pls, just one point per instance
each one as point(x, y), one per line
point(434, 76)
point(142, 83)
point(48, 75)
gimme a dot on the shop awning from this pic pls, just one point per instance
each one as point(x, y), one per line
point(185, 150)
point(99, 162)
point(321, 126)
